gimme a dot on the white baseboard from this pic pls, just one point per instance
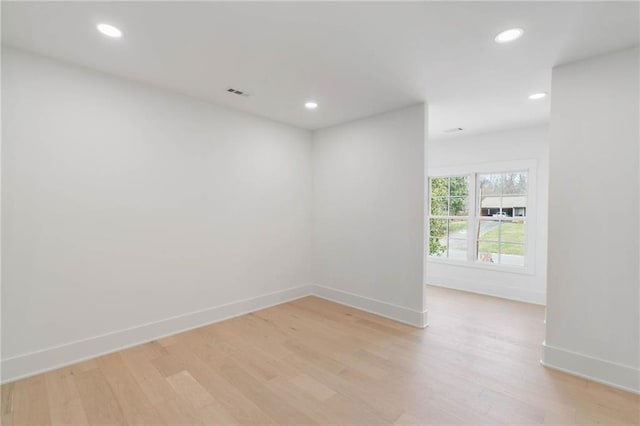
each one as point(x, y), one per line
point(598, 370)
point(504, 292)
point(37, 362)
point(383, 309)
point(29, 364)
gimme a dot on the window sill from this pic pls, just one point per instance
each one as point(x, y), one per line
point(522, 270)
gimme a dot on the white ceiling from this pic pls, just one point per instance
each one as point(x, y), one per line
point(354, 59)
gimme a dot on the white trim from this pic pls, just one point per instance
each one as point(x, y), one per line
point(497, 167)
point(595, 369)
point(502, 291)
point(29, 364)
point(512, 269)
point(388, 310)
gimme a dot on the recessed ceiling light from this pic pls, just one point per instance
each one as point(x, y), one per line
point(311, 105)
point(509, 35)
point(109, 30)
point(538, 95)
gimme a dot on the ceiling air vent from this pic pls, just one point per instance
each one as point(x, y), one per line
point(453, 130)
point(237, 92)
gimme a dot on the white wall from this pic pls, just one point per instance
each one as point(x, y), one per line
point(368, 204)
point(511, 145)
point(124, 205)
point(593, 293)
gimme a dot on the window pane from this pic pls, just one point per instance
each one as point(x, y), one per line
point(511, 203)
point(458, 229)
point(450, 196)
point(459, 206)
point(437, 247)
point(457, 249)
point(439, 206)
point(439, 187)
point(512, 232)
point(457, 239)
point(512, 254)
point(488, 252)
point(515, 183)
point(489, 231)
point(490, 194)
point(437, 228)
point(437, 237)
point(510, 248)
point(503, 195)
point(459, 186)
point(490, 184)
point(520, 212)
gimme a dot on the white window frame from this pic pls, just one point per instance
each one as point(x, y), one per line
point(473, 219)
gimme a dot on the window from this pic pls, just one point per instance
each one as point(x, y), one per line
point(480, 217)
point(449, 217)
point(502, 216)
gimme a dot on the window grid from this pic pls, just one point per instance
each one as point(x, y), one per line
point(442, 218)
point(475, 218)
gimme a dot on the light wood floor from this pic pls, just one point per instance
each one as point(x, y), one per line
point(315, 362)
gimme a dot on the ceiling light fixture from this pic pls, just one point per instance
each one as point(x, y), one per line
point(311, 105)
point(538, 95)
point(509, 35)
point(109, 30)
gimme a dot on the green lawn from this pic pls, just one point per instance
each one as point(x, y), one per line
point(511, 233)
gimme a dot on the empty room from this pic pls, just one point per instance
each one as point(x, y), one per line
point(320, 213)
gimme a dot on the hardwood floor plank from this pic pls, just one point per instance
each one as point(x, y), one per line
point(352, 411)
point(313, 387)
point(64, 399)
point(284, 389)
point(189, 388)
point(31, 402)
point(153, 384)
point(235, 404)
point(279, 410)
point(6, 392)
point(384, 404)
point(133, 403)
point(177, 412)
point(100, 404)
